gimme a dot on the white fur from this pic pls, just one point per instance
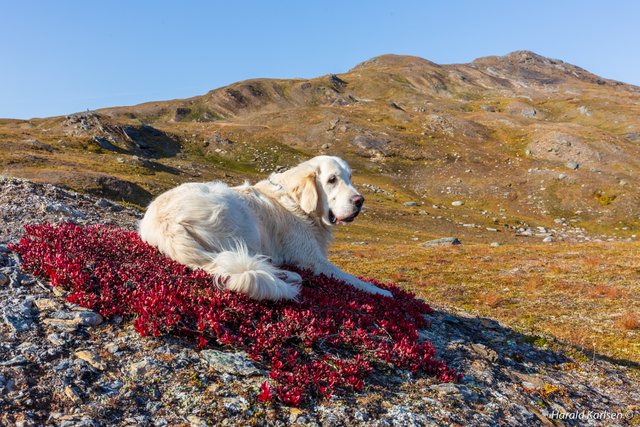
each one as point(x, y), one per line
point(233, 232)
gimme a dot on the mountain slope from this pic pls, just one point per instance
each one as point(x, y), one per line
point(521, 140)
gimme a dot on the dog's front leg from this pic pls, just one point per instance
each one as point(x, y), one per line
point(328, 269)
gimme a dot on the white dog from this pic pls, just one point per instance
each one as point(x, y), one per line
point(242, 233)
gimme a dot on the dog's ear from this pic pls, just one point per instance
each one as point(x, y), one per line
point(306, 193)
point(300, 183)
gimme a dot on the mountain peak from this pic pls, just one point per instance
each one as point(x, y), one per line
point(525, 57)
point(393, 60)
point(525, 65)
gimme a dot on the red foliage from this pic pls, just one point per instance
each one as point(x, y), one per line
point(327, 342)
point(265, 394)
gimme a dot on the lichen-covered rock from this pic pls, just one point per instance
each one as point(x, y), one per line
point(237, 363)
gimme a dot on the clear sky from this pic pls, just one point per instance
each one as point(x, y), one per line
point(59, 57)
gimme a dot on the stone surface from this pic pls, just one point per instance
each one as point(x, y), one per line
point(18, 315)
point(572, 165)
point(444, 241)
point(237, 363)
point(92, 358)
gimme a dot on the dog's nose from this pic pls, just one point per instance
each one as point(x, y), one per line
point(358, 201)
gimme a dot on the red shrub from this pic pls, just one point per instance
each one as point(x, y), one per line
point(328, 341)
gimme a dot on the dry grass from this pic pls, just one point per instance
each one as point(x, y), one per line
point(566, 291)
point(534, 284)
point(629, 321)
point(605, 291)
point(492, 299)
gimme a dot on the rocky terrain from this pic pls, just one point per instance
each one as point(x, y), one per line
point(64, 365)
point(529, 161)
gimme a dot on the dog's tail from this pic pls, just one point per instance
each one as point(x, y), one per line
point(251, 275)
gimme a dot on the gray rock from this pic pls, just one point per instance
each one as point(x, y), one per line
point(633, 136)
point(141, 369)
point(368, 143)
point(104, 143)
point(403, 416)
point(27, 280)
point(237, 363)
point(410, 204)
point(494, 244)
point(88, 318)
point(572, 165)
point(584, 111)
point(442, 242)
point(236, 405)
point(361, 416)
point(111, 388)
point(61, 314)
point(457, 203)
point(56, 339)
point(6, 383)
point(66, 325)
point(227, 378)
point(103, 203)
point(4, 279)
point(18, 316)
point(61, 209)
point(16, 361)
point(445, 389)
point(485, 352)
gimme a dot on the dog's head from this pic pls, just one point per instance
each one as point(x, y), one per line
point(322, 187)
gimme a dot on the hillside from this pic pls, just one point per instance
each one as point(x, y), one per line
point(522, 140)
point(531, 162)
point(63, 364)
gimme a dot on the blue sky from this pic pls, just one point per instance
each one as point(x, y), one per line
point(67, 56)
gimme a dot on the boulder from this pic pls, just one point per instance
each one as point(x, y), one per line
point(444, 241)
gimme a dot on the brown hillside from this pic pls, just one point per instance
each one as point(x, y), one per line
point(522, 140)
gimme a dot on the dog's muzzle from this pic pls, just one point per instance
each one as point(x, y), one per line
point(334, 220)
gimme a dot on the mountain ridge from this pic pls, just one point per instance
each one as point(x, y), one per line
point(385, 61)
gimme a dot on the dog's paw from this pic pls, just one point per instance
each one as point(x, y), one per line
point(289, 277)
point(368, 287)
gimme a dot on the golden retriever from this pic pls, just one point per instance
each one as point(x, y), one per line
point(244, 233)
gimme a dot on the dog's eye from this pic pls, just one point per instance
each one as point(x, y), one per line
point(332, 179)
